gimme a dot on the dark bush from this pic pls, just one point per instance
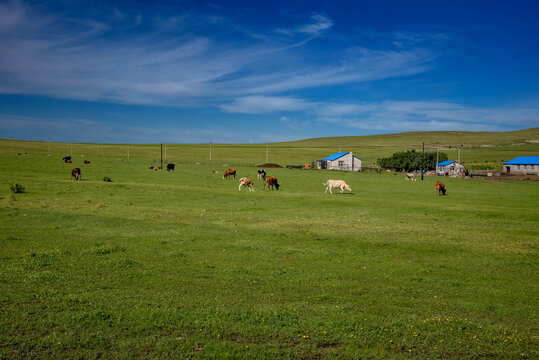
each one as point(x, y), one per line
point(17, 188)
point(107, 179)
point(411, 160)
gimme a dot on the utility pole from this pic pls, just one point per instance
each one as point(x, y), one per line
point(267, 151)
point(210, 151)
point(437, 156)
point(97, 149)
point(127, 151)
point(423, 161)
point(459, 157)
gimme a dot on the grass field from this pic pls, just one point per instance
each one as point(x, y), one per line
point(183, 265)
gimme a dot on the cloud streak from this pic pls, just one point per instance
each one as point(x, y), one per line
point(176, 60)
point(394, 116)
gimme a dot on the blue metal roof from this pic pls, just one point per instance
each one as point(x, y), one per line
point(523, 160)
point(445, 163)
point(335, 156)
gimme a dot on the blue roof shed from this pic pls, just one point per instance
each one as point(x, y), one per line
point(523, 160)
point(334, 156)
point(447, 162)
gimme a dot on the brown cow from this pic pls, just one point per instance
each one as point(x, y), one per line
point(229, 172)
point(75, 173)
point(68, 161)
point(246, 182)
point(439, 187)
point(86, 161)
point(271, 181)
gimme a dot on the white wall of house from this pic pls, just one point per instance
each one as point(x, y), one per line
point(521, 169)
point(346, 162)
point(451, 169)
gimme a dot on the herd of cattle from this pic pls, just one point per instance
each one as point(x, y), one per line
point(269, 181)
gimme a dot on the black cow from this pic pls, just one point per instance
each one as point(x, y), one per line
point(262, 174)
point(65, 158)
point(170, 167)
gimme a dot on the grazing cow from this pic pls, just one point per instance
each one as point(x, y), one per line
point(86, 161)
point(157, 168)
point(151, 167)
point(214, 171)
point(410, 176)
point(332, 184)
point(170, 167)
point(229, 172)
point(66, 158)
point(75, 173)
point(271, 181)
point(439, 187)
point(67, 161)
point(246, 182)
point(262, 174)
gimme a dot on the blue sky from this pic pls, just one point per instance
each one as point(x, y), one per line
point(249, 71)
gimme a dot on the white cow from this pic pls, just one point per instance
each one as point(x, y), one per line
point(410, 176)
point(332, 184)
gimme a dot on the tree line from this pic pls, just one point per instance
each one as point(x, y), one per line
point(411, 160)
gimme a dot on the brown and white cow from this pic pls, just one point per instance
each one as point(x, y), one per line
point(229, 172)
point(439, 187)
point(271, 181)
point(410, 176)
point(246, 182)
point(75, 173)
point(332, 184)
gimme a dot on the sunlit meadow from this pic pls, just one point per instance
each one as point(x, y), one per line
point(183, 265)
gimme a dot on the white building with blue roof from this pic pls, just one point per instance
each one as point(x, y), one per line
point(450, 168)
point(526, 165)
point(340, 161)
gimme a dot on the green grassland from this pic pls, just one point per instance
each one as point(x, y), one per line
point(183, 265)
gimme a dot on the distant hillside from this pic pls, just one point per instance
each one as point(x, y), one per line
point(475, 147)
point(465, 139)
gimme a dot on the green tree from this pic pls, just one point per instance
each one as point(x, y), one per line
point(411, 160)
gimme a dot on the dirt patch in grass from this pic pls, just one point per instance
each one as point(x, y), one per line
point(269, 165)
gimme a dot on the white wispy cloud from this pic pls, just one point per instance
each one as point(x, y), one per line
point(265, 104)
point(394, 116)
point(87, 130)
point(400, 116)
point(174, 60)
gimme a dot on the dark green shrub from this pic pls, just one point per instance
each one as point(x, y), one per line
point(411, 160)
point(17, 188)
point(107, 179)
